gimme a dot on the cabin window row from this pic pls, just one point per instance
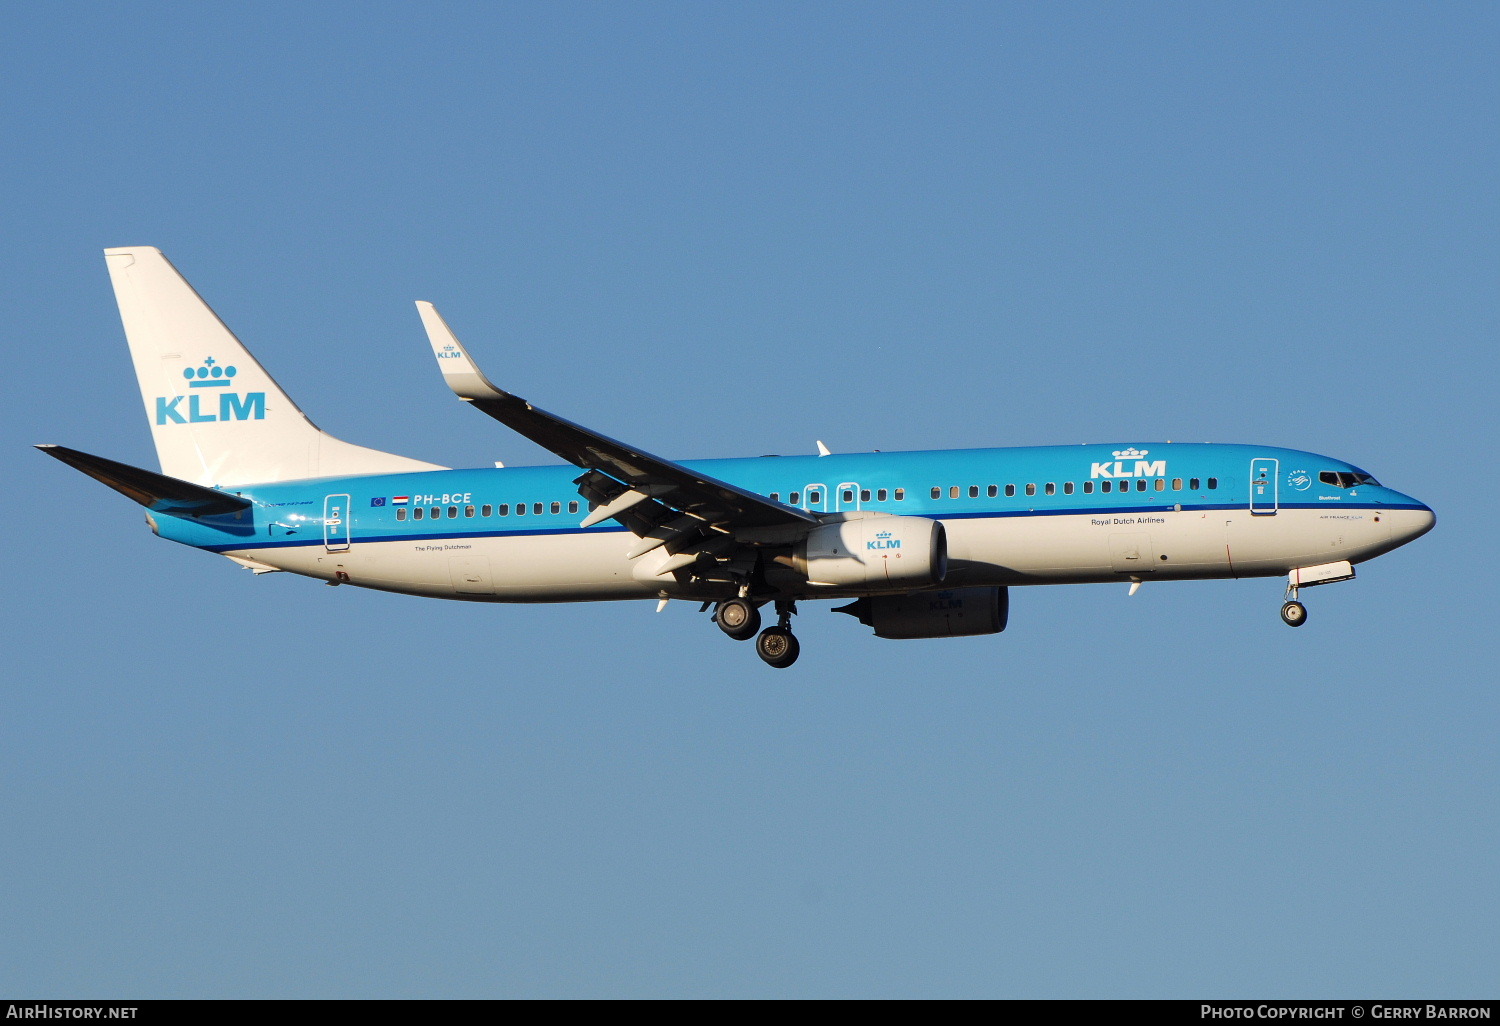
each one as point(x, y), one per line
point(815, 496)
point(1159, 484)
point(487, 510)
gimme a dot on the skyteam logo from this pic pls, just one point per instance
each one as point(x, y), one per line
point(1130, 462)
point(883, 540)
point(231, 405)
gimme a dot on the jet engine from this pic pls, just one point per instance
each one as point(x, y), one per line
point(955, 613)
point(879, 553)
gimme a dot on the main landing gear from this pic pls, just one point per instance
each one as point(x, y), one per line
point(737, 618)
point(740, 619)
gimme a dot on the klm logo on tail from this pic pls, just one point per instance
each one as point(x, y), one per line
point(231, 405)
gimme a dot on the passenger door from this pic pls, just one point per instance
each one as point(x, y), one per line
point(1263, 486)
point(336, 523)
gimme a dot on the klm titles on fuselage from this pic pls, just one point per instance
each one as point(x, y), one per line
point(1129, 463)
point(231, 405)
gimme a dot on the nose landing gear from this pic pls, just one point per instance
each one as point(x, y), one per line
point(1293, 613)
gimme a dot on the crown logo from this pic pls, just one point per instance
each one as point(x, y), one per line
point(210, 375)
point(882, 534)
point(1132, 454)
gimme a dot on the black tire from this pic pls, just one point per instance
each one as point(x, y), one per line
point(778, 647)
point(737, 618)
point(1294, 614)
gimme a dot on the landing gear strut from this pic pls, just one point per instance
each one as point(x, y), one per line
point(778, 645)
point(1293, 613)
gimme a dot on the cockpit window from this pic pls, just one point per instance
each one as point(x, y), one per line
point(1343, 479)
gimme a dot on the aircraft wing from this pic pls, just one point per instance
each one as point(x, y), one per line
point(650, 495)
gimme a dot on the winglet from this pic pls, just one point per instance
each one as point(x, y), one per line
point(459, 370)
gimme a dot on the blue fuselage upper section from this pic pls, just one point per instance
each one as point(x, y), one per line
point(1107, 480)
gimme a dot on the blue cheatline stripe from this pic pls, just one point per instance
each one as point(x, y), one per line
point(290, 543)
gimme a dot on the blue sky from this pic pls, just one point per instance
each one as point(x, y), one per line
point(730, 229)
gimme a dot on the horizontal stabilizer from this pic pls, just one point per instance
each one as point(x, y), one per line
point(156, 492)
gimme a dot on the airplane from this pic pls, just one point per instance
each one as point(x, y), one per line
point(919, 544)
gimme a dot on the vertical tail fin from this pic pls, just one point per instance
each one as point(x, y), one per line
point(216, 416)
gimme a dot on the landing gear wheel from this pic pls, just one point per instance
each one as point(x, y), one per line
point(1294, 614)
point(737, 618)
point(778, 647)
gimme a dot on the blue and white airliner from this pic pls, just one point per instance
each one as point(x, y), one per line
point(925, 544)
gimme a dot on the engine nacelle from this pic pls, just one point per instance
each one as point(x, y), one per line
point(955, 613)
point(882, 552)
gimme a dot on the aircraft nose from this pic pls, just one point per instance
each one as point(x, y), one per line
point(1410, 524)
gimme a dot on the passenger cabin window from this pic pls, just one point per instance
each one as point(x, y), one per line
point(468, 511)
point(520, 509)
point(1067, 487)
point(416, 512)
point(1031, 489)
point(505, 509)
point(775, 496)
point(973, 491)
point(1010, 491)
point(848, 495)
point(1176, 484)
point(864, 495)
point(452, 512)
point(1088, 488)
point(557, 507)
point(400, 512)
point(881, 494)
point(953, 492)
point(1140, 485)
point(1161, 484)
point(992, 491)
point(1104, 486)
point(486, 510)
point(794, 498)
point(1213, 482)
point(937, 493)
point(900, 494)
point(1051, 488)
point(1193, 483)
point(813, 498)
